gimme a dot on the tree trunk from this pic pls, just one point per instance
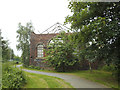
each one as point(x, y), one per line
point(90, 67)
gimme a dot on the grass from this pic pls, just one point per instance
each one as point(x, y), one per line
point(44, 81)
point(102, 77)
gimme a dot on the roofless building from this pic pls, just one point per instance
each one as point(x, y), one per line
point(39, 42)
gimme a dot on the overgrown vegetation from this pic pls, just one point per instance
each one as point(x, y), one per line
point(59, 53)
point(12, 77)
point(96, 32)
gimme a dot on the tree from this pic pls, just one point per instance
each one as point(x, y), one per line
point(60, 53)
point(97, 33)
point(24, 41)
point(12, 54)
point(17, 58)
point(5, 51)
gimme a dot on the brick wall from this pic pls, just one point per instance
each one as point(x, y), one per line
point(34, 41)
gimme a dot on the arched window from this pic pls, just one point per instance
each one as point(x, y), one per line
point(40, 50)
point(58, 40)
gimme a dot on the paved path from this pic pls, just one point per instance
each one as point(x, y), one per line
point(75, 81)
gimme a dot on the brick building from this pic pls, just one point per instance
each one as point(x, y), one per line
point(38, 42)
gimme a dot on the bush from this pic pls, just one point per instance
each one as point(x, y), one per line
point(111, 68)
point(37, 67)
point(108, 68)
point(60, 54)
point(31, 66)
point(34, 67)
point(12, 77)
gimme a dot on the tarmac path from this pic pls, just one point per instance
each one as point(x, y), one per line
point(75, 81)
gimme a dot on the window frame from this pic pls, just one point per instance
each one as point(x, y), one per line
point(40, 52)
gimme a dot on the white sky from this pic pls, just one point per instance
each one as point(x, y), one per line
point(42, 13)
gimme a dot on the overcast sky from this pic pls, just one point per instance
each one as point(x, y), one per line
point(42, 13)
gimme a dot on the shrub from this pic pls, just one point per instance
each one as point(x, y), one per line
point(34, 67)
point(111, 68)
point(37, 67)
point(108, 68)
point(60, 53)
point(12, 77)
point(31, 66)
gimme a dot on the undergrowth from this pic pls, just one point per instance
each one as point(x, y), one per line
point(12, 77)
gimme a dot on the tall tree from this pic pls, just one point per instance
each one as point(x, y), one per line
point(97, 33)
point(24, 41)
point(5, 51)
point(12, 54)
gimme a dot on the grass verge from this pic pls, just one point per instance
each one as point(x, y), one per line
point(44, 81)
point(102, 77)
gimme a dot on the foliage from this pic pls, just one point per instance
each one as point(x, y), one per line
point(12, 77)
point(60, 53)
point(34, 67)
point(24, 41)
point(17, 58)
point(12, 54)
point(97, 33)
point(7, 52)
point(109, 68)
